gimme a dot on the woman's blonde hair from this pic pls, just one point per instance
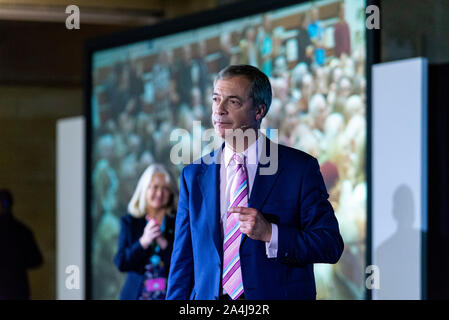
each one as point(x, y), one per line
point(137, 205)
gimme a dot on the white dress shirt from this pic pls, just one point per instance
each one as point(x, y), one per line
point(252, 155)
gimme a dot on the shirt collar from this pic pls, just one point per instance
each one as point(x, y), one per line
point(252, 153)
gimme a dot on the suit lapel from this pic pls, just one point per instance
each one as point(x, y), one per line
point(263, 183)
point(209, 182)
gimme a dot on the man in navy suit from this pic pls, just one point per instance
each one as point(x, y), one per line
point(284, 222)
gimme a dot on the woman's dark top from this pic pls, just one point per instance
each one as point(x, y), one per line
point(147, 268)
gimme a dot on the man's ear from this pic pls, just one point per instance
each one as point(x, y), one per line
point(260, 112)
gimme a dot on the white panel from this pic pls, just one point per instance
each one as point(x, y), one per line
point(399, 179)
point(70, 209)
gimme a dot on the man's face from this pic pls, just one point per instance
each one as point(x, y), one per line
point(232, 106)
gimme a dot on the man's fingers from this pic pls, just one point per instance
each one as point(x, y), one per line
point(247, 219)
point(250, 223)
point(243, 229)
point(243, 210)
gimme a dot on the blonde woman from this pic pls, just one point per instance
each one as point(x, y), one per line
point(146, 236)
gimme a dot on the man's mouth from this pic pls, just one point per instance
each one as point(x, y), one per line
point(221, 122)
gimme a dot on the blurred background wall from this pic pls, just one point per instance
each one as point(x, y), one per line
point(41, 79)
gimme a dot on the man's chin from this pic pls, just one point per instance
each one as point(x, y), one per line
point(221, 132)
point(229, 132)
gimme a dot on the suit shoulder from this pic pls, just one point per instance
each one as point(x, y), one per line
point(295, 155)
point(191, 170)
point(199, 165)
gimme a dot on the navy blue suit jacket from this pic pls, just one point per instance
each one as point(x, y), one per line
point(294, 198)
point(131, 257)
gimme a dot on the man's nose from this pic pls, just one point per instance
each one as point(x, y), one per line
point(220, 108)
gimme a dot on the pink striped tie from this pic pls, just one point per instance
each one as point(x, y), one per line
point(232, 273)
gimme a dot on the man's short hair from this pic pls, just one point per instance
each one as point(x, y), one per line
point(260, 88)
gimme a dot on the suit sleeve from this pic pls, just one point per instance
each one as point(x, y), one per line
point(129, 256)
point(317, 239)
point(180, 279)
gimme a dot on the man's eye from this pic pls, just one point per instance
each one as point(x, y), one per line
point(235, 102)
point(214, 99)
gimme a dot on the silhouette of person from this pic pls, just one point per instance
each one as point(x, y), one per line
point(18, 252)
point(398, 257)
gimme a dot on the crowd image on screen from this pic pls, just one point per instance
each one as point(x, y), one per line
point(316, 65)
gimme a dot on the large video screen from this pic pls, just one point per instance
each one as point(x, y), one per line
point(315, 56)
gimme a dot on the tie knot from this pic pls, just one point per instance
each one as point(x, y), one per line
point(238, 158)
